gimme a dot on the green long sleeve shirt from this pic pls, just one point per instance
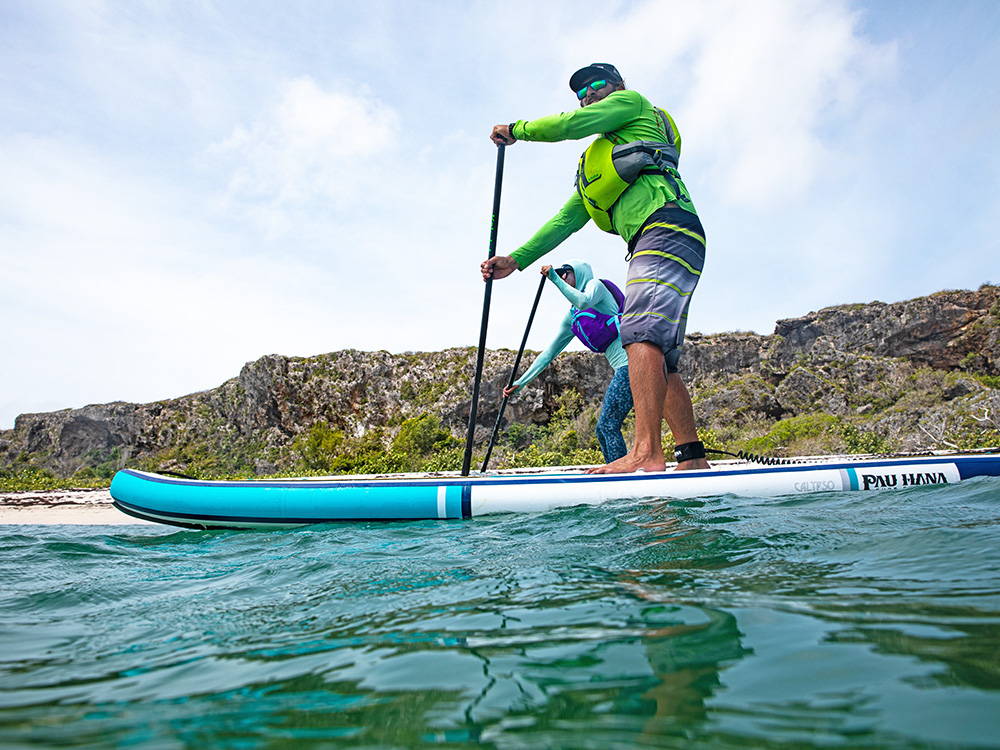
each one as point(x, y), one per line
point(622, 116)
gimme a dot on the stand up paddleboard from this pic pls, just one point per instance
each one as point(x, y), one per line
point(280, 503)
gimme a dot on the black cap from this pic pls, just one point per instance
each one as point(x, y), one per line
point(594, 72)
point(564, 268)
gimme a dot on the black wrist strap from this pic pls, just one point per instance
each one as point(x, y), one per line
point(510, 129)
point(689, 451)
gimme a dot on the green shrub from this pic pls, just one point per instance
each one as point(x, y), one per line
point(990, 381)
point(518, 435)
point(421, 444)
point(533, 455)
point(862, 441)
point(785, 432)
point(447, 460)
point(30, 478)
point(420, 436)
point(319, 445)
point(568, 404)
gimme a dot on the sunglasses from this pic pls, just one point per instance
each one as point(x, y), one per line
point(563, 271)
point(593, 85)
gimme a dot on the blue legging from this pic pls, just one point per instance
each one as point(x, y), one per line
point(617, 404)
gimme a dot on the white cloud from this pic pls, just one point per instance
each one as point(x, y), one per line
point(128, 288)
point(312, 144)
point(769, 97)
point(759, 87)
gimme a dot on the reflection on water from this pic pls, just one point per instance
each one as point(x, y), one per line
point(850, 620)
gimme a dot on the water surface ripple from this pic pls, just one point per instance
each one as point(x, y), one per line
point(844, 620)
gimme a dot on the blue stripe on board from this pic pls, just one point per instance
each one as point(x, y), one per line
point(853, 475)
point(979, 466)
point(466, 501)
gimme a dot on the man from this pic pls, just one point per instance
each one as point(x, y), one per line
point(627, 182)
point(592, 318)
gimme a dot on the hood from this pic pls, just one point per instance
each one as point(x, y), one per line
point(583, 272)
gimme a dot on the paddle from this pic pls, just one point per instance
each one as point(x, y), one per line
point(498, 183)
point(513, 374)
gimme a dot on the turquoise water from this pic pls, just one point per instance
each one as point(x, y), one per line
point(840, 620)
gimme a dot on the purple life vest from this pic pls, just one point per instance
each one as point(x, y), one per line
point(598, 330)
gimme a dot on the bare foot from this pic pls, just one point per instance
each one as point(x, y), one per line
point(630, 463)
point(694, 463)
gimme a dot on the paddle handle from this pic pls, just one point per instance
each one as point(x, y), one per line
point(484, 324)
point(513, 374)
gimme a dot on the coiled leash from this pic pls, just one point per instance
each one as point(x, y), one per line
point(696, 449)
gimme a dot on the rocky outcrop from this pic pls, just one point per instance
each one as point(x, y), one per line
point(909, 368)
point(948, 330)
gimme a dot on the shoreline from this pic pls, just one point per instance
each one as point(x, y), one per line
point(85, 507)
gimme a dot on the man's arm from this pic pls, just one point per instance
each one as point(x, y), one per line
point(605, 115)
point(570, 218)
point(610, 113)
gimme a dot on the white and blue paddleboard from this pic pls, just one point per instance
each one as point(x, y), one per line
point(277, 503)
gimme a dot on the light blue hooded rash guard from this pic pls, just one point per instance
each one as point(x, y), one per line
point(588, 292)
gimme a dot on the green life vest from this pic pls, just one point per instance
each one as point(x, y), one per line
point(606, 170)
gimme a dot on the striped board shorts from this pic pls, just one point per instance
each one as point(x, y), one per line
point(667, 257)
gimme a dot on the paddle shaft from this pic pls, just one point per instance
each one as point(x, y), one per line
point(487, 295)
point(513, 374)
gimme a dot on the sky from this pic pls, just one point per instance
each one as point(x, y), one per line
point(188, 186)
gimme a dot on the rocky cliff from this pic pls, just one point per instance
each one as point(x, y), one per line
point(919, 374)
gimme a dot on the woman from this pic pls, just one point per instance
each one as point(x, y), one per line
point(595, 307)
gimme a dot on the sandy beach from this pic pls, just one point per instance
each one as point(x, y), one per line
point(76, 507)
